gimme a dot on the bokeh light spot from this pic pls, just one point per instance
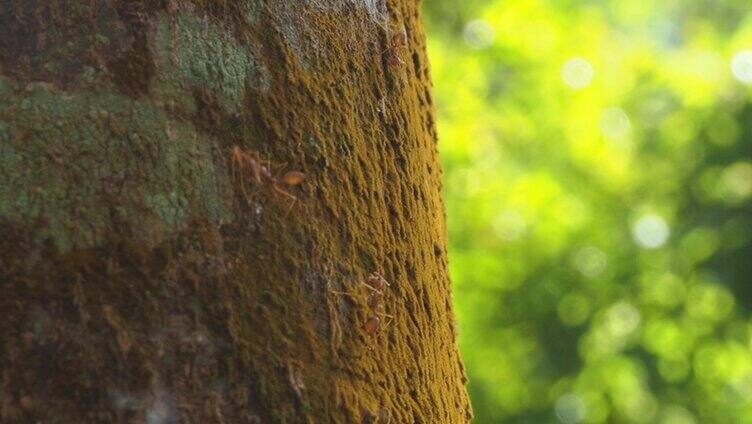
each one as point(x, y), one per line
point(622, 319)
point(640, 406)
point(590, 261)
point(577, 73)
point(723, 130)
point(479, 34)
point(615, 123)
point(570, 409)
point(736, 182)
point(709, 301)
point(573, 309)
point(673, 370)
point(662, 289)
point(651, 232)
point(676, 414)
point(665, 338)
point(509, 225)
point(700, 244)
point(741, 66)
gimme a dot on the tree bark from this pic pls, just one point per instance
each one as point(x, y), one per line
point(149, 273)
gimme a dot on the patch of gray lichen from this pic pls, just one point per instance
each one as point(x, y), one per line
point(194, 51)
point(80, 163)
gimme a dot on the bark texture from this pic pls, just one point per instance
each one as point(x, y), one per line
point(140, 284)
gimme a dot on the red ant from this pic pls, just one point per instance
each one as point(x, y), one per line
point(377, 284)
point(248, 165)
point(392, 52)
point(375, 300)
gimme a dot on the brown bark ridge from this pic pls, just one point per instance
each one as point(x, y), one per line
point(151, 273)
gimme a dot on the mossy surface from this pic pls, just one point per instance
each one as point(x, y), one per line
point(142, 285)
point(76, 160)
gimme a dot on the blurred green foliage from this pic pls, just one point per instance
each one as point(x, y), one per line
point(598, 178)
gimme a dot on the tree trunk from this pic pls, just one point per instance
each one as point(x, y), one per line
point(152, 271)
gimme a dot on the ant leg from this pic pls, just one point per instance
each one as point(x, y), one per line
point(248, 196)
point(283, 192)
point(236, 167)
point(390, 317)
point(263, 162)
point(289, 208)
point(244, 190)
point(373, 289)
point(275, 170)
point(350, 295)
point(236, 173)
point(254, 163)
point(393, 58)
